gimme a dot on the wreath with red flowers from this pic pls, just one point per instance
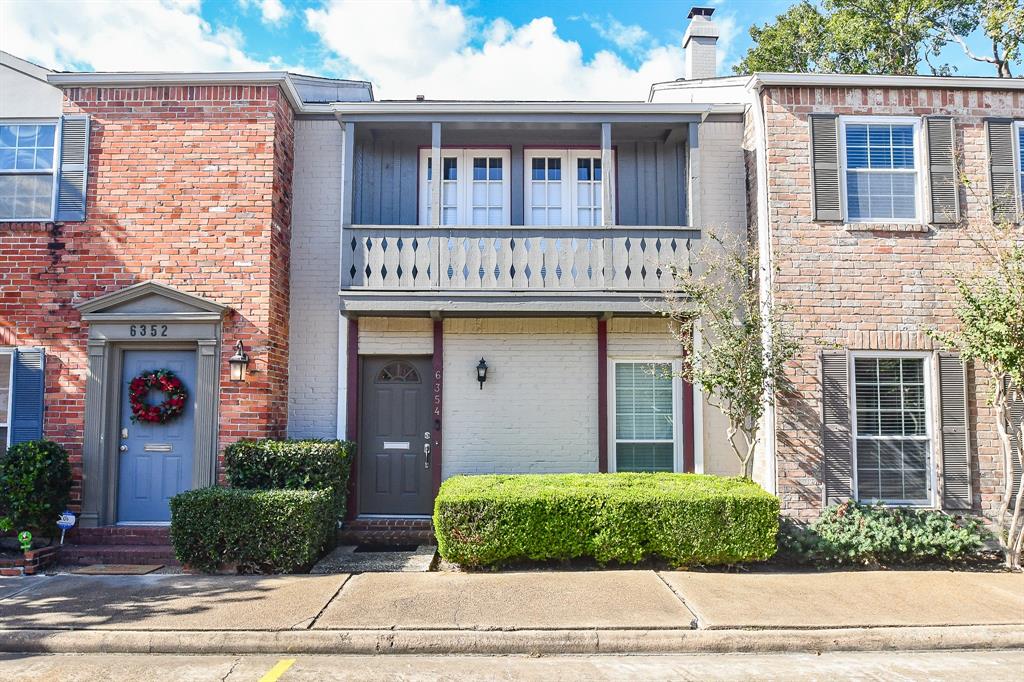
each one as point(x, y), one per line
point(160, 380)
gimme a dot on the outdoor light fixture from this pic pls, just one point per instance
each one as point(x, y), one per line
point(238, 362)
point(481, 373)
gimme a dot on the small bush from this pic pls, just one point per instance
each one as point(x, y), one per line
point(853, 533)
point(291, 465)
point(683, 518)
point(262, 531)
point(35, 486)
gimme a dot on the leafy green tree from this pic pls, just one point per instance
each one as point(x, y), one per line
point(744, 348)
point(883, 36)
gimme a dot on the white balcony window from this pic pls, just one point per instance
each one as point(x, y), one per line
point(475, 187)
point(563, 187)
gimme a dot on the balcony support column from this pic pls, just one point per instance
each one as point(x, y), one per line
point(607, 177)
point(435, 174)
point(693, 172)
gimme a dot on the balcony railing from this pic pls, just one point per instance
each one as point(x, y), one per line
point(471, 258)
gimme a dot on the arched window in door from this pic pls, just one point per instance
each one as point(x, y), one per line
point(398, 372)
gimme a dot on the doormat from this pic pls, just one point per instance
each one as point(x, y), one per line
point(118, 569)
point(385, 548)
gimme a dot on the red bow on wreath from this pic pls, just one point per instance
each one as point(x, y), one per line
point(160, 380)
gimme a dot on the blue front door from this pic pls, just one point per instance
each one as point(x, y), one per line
point(155, 460)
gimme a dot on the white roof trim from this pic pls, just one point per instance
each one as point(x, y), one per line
point(470, 107)
point(884, 81)
point(148, 78)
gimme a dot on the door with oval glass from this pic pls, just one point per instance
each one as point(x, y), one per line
point(395, 462)
point(154, 459)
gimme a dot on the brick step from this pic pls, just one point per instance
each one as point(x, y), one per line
point(117, 554)
point(396, 531)
point(122, 535)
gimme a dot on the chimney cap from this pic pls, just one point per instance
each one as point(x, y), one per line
point(700, 12)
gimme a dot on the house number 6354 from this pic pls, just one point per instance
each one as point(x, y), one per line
point(147, 330)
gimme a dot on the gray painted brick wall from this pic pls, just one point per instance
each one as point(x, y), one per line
point(314, 306)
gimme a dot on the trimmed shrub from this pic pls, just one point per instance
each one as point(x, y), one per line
point(260, 531)
point(853, 533)
point(35, 486)
point(291, 465)
point(682, 518)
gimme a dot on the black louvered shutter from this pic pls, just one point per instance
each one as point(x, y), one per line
point(956, 462)
point(942, 169)
point(74, 167)
point(1002, 174)
point(837, 439)
point(825, 167)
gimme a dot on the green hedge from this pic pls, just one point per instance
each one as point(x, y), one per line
point(683, 518)
point(35, 487)
point(852, 533)
point(290, 464)
point(261, 531)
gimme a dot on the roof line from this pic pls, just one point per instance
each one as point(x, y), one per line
point(885, 80)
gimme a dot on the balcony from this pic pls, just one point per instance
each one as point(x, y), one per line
point(509, 265)
point(488, 233)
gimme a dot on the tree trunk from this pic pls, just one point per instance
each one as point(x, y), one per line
point(1012, 527)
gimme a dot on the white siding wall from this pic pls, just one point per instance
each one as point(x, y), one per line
point(396, 336)
point(537, 413)
point(314, 305)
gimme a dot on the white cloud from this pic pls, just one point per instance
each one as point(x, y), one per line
point(110, 35)
point(632, 38)
point(271, 11)
point(424, 47)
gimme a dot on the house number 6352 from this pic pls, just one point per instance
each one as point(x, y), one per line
point(147, 330)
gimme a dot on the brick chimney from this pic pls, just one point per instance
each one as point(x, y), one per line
point(699, 44)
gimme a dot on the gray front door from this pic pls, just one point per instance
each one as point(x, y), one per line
point(394, 470)
point(155, 460)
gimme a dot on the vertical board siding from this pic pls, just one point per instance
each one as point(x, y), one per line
point(650, 187)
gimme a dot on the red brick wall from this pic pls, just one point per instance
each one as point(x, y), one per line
point(868, 287)
point(189, 186)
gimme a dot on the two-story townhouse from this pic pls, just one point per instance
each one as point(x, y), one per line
point(866, 193)
point(284, 246)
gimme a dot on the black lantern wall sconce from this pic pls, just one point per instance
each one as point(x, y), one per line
point(238, 362)
point(481, 373)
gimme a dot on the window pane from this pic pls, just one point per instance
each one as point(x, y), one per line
point(583, 169)
point(479, 169)
point(495, 195)
point(554, 169)
point(643, 457)
point(597, 169)
point(643, 401)
point(537, 169)
point(857, 203)
point(8, 136)
point(25, 197)
point(892, 444)
point(494, 172)
point(451, 169)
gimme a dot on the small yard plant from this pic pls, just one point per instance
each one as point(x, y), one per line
point(857, 534)
point(35, 487)
point(279, 514)
point(681, 518)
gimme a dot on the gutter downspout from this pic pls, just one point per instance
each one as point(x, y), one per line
point(764, 245)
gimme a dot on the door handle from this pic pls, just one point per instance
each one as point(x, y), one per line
point(123, 448)
point(426, 455)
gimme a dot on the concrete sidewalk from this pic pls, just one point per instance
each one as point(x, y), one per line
point(516, 612)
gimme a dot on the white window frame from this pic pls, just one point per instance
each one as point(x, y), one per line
point(9, 352)
point(678, 464)
point(569, 158)
point(54, 171)
point(929, 418)
point(464, 183)
point(920, 184)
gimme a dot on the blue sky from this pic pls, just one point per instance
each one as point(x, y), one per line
point(538, 49)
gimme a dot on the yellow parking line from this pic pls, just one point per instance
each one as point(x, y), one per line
point(274, 673)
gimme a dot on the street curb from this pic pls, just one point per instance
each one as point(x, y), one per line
point(986, 637)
